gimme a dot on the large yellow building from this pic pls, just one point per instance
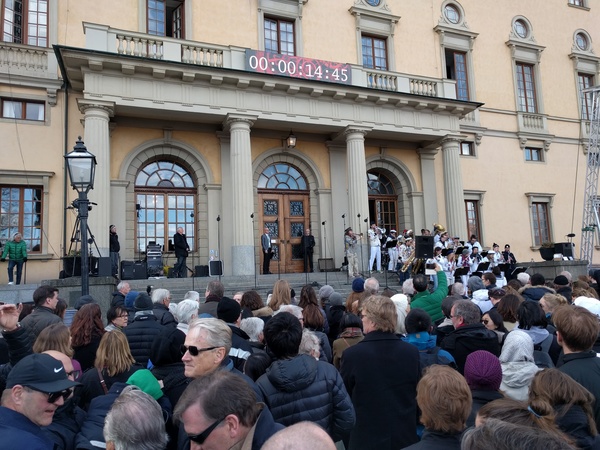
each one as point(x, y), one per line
point(466, 113)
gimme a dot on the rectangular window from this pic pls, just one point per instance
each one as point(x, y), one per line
point(22, 213)
point(25, 22)
point(466, 149)
point(279, 36)
point(541, 223)
point(533, 154)
point(165, 18)
point(473, 222)
point(526, 88)
point(577, 2)
point(456, 69)
point(586, 81)
point(23, 109)
point(374, 52)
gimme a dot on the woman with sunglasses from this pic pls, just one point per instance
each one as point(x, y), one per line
point(114, 362)
point(493, 321)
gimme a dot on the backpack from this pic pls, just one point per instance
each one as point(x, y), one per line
point(431, 356)
point(541, 358)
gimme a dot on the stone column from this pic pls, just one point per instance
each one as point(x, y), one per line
point(358, 196)
point(428, 178)
point(456, 222)
point(97, 115)
point(241, 193)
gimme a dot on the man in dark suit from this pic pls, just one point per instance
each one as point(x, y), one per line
point(265, 241)
point(308, 243)
point(181, 252)
point(381, 374)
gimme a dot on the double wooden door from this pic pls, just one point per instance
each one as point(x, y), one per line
point(286, 216)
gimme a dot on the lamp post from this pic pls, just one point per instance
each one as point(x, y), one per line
point(81, 165)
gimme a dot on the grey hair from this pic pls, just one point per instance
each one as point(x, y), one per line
point(295, 310)
point(216, 332)
point(192, 295)
point(135, 421)
point(309, 345)
point(475, 283)
point(469, 311)
point(458, 289)
point(185, 310)
point(121, 285)
point(371, 286)
point(408, 287)
point(158, 295)
point(523, 278)
point(17, 234)
point(252, 326)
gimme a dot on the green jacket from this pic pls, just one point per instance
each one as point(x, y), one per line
point(16, 251)
point(432, 302)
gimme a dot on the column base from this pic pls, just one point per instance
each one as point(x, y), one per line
point(242, 260)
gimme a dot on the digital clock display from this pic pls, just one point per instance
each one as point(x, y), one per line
point(298, 67)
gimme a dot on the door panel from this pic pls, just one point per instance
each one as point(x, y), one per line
point(286, 216)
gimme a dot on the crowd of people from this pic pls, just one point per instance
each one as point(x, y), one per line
point(438, 366)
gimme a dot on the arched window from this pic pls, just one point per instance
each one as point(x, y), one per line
point(166, 199)
point(383, 201)
point(282, 176)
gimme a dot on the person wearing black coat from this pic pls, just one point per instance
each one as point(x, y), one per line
point(334, 310)
point(469, 334)
point(165, 356)
point(16, 339)
point(230, 312)
point(182, 249)
point(141, 332)
point(381, 374)
point(161, 298)
point(299, 388)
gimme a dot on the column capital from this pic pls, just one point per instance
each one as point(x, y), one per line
point(356, 129)
point(86, 105)
point(427, 153)
point(232, 119)
point(452, 139)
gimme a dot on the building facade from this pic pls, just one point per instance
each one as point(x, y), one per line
point(464, 113)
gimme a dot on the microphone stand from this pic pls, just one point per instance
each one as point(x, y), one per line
point(254, 254)
point(325, 248)
point(361, 244)
point(219, 245)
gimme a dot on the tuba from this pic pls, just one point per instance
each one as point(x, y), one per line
point(438, 229)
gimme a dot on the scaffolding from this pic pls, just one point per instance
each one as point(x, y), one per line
point(591, 224)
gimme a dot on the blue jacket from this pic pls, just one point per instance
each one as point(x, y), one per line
point(17, 431)
point(302, 388)
point(427, 343)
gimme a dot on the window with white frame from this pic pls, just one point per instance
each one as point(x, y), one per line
point(25, 22)
point(580, 3)
point(457, 42)
point(540, 206)
point(280, 27)
point(585, 81)
point(375, 25)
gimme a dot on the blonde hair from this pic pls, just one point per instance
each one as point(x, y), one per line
point(382, 312)
point(54, 337)
point(113, 354)
point(281, 295)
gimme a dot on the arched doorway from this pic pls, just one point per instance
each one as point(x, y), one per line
point(383, 200)
point(165, 199)
point(283, 198)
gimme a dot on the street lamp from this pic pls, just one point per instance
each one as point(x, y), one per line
point(291, 140)
point(81, 165)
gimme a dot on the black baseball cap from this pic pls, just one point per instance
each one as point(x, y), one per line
point(40, 372)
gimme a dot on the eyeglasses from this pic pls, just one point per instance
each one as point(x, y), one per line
point(485, 321)
point(194, 351)
point(200, 438)
point(54, 396)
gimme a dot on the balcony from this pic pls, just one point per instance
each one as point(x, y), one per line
point(122, 42)
point(532, 123)
point(28, 61)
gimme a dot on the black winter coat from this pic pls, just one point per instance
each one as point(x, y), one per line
point(140, 335)
point(381, 374)
point(481, 398)
point(302, 388)
point(435, 440)
point(334, 317)
point(91, 388)
point(240, 347)
point(118, 299)
point(66, 423)
point(574, 422)
point(163, 315)
point(18, 348)
point(584, 367)
point(467, 339)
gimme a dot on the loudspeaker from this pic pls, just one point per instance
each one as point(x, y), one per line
point(104, 267)
point(215, 268)
point(566, 248)
point(133, 270)
point(201, 271)
point(424, 247)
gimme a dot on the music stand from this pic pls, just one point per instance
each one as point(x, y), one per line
point(517, 271)
point(482, 267)
point(461, 272)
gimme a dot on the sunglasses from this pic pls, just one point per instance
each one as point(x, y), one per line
point(54, 396)
point(194, 351)
point(200, 438)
